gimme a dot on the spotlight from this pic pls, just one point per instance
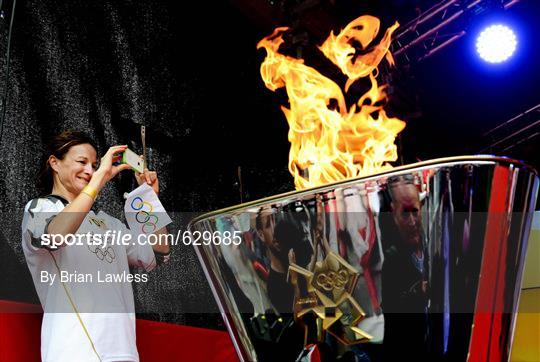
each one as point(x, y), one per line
point(496, 43)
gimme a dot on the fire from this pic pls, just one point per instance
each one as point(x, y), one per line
point(362, 30)
point(330, 142)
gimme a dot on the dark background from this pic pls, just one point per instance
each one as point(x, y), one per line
point(190, 73)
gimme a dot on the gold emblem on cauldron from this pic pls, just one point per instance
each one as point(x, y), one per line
point(325, 293)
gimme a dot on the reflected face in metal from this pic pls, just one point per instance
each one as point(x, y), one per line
point(265, 224)
point(406, 207)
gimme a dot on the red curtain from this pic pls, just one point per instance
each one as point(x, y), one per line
point(20, 329)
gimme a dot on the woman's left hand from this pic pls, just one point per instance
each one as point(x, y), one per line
point(150, 177)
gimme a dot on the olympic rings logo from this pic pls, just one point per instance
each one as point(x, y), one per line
point(333, 280)
point(144, 215)
point(103, 254)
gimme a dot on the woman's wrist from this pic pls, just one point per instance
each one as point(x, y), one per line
point(94, 186)
point(90, 191)
point(97, 181)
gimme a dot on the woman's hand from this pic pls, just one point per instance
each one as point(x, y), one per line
point(150, 177)
point(107, 170)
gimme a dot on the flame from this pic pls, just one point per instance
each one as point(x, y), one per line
point(362, 30)
point(329, 142)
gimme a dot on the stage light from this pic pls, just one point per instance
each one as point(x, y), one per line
point(496, 43)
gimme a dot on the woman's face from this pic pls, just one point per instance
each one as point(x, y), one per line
point(75, 170)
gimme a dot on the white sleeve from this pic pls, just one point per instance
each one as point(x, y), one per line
point(139, 255)
point(38, 213)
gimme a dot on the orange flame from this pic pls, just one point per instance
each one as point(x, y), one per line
point(362, 30)
point(329, 142)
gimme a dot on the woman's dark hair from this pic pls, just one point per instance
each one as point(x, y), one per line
point(58, 146)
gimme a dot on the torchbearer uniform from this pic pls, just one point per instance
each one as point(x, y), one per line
point(85, 290)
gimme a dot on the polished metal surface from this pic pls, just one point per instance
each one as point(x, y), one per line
point(420, 263)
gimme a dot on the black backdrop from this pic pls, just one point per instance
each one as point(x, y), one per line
point(107, 67)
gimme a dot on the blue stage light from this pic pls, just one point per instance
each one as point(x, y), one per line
point(496, 43)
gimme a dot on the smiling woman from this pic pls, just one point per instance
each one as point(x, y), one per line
point(83, 313)
point(66, 148)
point(80, 162)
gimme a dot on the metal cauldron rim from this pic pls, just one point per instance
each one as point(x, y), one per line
point(440, 162)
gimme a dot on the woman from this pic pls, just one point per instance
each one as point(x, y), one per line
point(85, 319)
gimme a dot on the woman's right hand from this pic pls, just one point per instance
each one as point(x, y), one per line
point(107, 170)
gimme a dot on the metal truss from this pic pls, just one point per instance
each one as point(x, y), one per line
point(438, 27)
point(516, 131)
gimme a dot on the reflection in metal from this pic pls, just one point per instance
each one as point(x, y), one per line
point(421, 263)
